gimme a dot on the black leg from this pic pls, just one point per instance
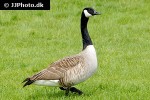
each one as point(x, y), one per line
point(67, 91)
point(73, 89)
point(62, 88)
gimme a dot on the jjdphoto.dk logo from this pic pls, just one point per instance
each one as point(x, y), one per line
point(39, 4)
point(25, 5)
point(6, 5)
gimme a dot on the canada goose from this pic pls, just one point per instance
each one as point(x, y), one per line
point(72, 70)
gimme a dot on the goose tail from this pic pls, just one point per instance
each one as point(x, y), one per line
point(27, 82)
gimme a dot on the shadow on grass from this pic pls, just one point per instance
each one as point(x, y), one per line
point(49, 94)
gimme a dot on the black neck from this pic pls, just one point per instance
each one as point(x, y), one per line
point(85, 34)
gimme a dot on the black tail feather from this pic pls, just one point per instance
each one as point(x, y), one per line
point(28, 82)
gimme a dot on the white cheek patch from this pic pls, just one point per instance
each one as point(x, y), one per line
point(87, 14)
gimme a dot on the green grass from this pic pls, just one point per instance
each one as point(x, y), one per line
point(31, 40)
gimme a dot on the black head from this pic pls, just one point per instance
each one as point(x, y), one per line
point(90, 12)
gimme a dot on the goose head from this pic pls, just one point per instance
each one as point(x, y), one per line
point(88, 12)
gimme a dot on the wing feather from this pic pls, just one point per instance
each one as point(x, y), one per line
point(57, 69)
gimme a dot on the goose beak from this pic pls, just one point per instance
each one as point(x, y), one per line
point(96, 13)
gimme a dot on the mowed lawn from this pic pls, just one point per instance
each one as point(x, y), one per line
point(31, 40)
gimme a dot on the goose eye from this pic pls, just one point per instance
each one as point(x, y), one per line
point(90, 10)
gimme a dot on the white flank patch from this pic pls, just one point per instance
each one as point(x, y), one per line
point(47, 82)
point(87, 14)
